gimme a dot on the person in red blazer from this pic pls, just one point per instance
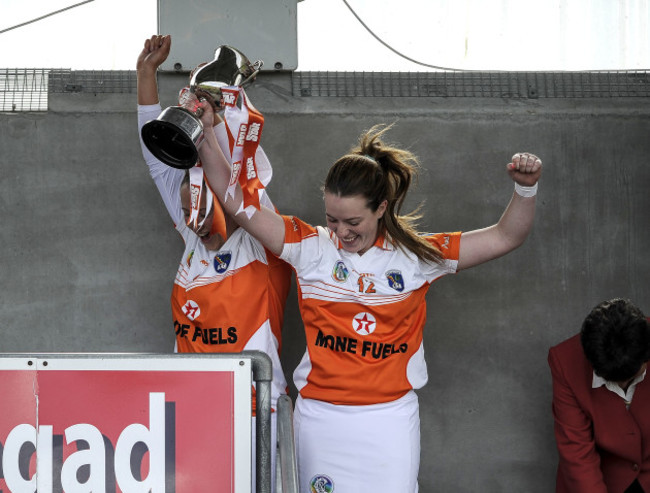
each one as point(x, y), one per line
point(601, 402)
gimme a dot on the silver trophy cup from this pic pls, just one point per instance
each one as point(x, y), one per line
point(176, 135)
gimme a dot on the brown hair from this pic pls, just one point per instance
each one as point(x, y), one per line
point(377, 171)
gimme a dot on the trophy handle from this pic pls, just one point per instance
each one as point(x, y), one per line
point(257, 66)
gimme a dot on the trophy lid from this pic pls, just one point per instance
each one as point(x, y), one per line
point(230, 67)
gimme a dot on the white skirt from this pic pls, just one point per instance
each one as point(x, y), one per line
point(353, 449)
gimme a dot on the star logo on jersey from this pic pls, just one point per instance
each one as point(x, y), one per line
point(222, 261)
point(321, 484)
point(191, 310)
point(395, 280)
point(364, 323)
point(340, 272)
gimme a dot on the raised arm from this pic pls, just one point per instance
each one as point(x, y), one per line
point(265, 225)
point(485, 244)
point(153, 54)
point(168, 180)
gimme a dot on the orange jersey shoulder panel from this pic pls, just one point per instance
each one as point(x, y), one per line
point(295, 230)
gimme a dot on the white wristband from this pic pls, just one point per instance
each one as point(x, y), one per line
point(526, 191)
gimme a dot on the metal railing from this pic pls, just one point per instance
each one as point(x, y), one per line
point(28, 89)
point(93, 81)
point(23, 89)
point(531, 85)
point(288, 480)
point(262, 374)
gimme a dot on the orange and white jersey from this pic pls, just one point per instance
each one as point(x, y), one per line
point(363, 315)
point(226, 301)
point(231, 300)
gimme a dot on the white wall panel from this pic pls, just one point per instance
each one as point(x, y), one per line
point(262, 30)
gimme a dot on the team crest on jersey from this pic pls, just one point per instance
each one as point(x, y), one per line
point(395, 280)
point(222, 261)
point(191, 309)
point(321, 484)
point(364, 323)
point(340, 272)
point(189, 258)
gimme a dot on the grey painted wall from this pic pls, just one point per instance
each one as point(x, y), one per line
point(88, 253)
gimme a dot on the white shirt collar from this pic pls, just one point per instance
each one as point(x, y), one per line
point(615, 387)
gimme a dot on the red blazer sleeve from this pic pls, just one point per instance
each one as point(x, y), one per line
point(579, 466)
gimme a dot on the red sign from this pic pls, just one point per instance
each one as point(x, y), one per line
point(112, 425)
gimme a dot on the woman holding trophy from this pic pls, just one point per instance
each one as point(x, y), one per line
point(223, 268)
point(362, 282)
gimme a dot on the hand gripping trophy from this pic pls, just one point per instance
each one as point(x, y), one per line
point(175, 136)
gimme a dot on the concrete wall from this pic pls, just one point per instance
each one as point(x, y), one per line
point(88, 253)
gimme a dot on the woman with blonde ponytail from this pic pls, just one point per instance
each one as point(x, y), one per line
point(362, 282)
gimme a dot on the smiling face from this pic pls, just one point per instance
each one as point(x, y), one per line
point(352, 221)
point(212, 241)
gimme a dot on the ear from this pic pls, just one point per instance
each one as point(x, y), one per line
point(382, 208)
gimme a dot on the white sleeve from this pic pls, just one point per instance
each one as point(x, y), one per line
point(167, 179)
